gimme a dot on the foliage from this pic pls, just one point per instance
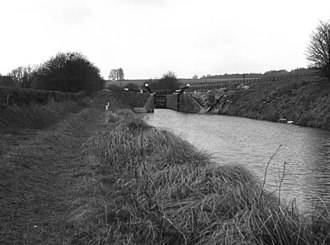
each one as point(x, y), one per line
point(132, 86)
point(115, 88)
point(318, 51)
point(168, 81)
point(21, 97)
point(276, 72)
point(116, 74)
point(68, 72)
point(24, 76)
point(7, 81)
point(129, 99)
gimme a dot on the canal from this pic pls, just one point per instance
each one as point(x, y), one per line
point(301, 156)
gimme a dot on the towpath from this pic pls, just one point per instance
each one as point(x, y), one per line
point(37, 178)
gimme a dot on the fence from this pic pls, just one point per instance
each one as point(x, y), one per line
point(232, 83)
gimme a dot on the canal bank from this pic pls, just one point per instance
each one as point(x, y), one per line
point(302, 101)
point(234, 140)
point(143, 185)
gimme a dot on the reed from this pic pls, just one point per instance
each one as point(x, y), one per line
point(147, 186)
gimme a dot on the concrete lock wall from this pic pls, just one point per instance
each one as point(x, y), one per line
point(186, 103)
point(172, 101)
point(150, 105)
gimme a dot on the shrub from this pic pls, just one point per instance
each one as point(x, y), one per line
point(68, 72)
point(132, 86)
point(168, 81)
point(7, 81)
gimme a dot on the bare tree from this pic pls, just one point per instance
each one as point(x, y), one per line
point(318, 50)
point(113, 75)
point(116, 74)
point(120, 74)
point(24, 75)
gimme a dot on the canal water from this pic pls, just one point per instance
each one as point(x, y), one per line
point(301, 165)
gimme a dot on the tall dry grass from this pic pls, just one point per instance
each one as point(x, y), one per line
point(35, 116)
point(146, 186)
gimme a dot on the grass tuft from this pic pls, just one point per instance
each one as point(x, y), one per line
point(147, 186)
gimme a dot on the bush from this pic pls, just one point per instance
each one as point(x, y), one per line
point(132, 86)
point(7, 81)
point(21, 97)
point(168, 81)
point(68, 72)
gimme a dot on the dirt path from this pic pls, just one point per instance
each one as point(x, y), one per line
point(37, 179)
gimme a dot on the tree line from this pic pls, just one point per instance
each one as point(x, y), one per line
point(168, 81)
point(66, 72)
point(73, 72)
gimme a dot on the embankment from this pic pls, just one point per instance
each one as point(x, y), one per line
point(305, 102)
point(23, 111)
point(142, 185)
point(22, 97)
point(109, 178)
point(29, 108)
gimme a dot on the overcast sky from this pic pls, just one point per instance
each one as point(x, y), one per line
point(147, 38)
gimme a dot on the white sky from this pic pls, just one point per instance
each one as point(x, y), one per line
point(147, 38)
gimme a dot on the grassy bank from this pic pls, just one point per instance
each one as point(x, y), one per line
point(142, 185)
point(21, 97)
point(305, 101)
point(20, 122)
point(29, 108)
point(38, 172)
point(35, 116)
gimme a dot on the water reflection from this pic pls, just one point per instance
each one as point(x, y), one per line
point(317, 184)
point(233, 140)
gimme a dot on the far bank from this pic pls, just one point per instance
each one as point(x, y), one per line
point(302, 101)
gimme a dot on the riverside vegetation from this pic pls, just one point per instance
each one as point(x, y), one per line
point(142, 185)
point(304, 100)
point(98, 177)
